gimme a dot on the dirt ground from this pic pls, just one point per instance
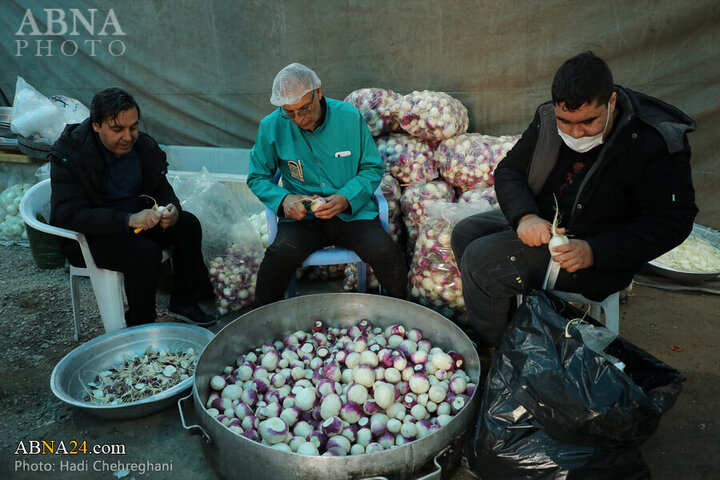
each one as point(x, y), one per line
point(36, 320)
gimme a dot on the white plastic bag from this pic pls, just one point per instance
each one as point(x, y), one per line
point(34, 115)
point(415, 200)
point(435, 279)
point(231, 245)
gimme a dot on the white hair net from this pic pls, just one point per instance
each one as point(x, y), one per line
point(291, 83)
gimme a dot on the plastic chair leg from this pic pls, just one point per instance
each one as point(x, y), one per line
point(108, 287)
point(75, 298)
point(361, 277)
point(612, 312)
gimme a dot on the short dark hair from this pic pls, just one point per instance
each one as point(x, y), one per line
point(585, 78)
point(108, 104)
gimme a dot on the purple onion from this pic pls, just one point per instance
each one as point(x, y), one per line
point(459, 402)
point(323, 352)
point(318, 438)
point(251, 434)
point(387, 439)
point(319, 326)
point(470, 389)
point(261, 385)
point(350, 432)
point(458, 360)
point(250, 422)
point(386, 358)
point(419, 357)
point(221, 404)
point(291, 415)
point(340, 443)
point(273, 430)
point(374, 447)
point(320, 339)
point(290, 339)
point(354, 331)
point(370, 407)
point(403, 387)
point(409, 401)
point(458, 385)
point(414, 334)
point(213, 395)
point(364, 325)
point(351, 412)
point(242, 410)
point(424, 345)
point(332, 426)
point(395, 329)
point(326, 387)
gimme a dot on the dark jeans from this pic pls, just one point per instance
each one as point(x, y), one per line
point(496, 266)
point(138, 257)
point(295, 241)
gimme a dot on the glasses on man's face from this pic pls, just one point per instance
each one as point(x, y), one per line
point(300, 112)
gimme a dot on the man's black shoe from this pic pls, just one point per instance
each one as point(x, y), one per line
point(192, 314)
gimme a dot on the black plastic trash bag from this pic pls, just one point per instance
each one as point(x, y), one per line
point(554, 408)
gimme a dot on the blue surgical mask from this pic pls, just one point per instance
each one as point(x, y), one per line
point(584, 144)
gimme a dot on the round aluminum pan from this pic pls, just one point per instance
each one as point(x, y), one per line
point(709, 235)
point(81, 365)
point(229, 450)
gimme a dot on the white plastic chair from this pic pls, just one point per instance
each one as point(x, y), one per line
point(107, 284)
point(610, 306)
point(331, 255)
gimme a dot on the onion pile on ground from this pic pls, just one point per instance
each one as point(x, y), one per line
point(350, 280)
point(341, 391)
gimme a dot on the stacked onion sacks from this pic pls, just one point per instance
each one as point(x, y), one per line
point(341, 391)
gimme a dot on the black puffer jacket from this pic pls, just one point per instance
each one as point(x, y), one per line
point(76, 174)
point(636, 203)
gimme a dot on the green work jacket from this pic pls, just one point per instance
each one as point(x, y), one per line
point(339, 156)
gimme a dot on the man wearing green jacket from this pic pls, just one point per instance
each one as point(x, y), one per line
point(326, 156)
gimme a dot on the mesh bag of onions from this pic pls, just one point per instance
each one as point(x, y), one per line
point(434, 274)
point(480, 194)
point(392, 192)
point(350, 280)
point(416, 198)
point(431, 115)
point(469, 159)
point(407, 158)
point(232, 247)
point(341, 391)
point(373, 103)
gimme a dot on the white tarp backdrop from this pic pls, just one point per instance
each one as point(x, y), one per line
point(202, 71)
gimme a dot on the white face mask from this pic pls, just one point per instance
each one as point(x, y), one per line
point(583, 144)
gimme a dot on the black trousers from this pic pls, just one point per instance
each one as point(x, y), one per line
point(496, 266)
point(138, 257)
point(295, 241)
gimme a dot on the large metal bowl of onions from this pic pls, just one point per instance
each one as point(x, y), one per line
point(234, 456)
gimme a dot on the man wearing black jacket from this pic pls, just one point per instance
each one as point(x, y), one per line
point(107, 178)
point(618, 163)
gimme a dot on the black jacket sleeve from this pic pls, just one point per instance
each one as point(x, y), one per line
point(511, 177)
